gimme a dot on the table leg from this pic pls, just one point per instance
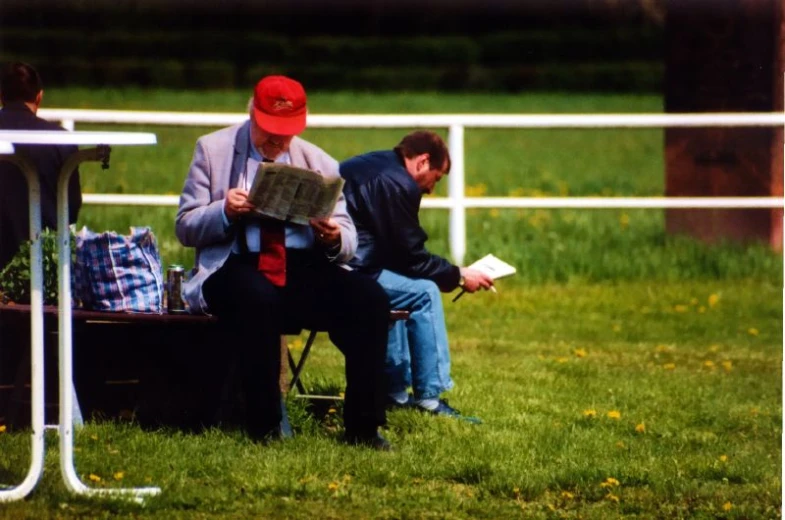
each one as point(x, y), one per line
point(36, 333)
point(65, 428)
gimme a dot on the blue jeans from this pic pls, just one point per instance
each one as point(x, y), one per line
point(417, 351)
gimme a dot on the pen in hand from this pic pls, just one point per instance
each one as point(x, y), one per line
point(492, 288)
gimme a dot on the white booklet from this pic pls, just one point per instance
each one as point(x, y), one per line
point(293, 194)
point(493, 267)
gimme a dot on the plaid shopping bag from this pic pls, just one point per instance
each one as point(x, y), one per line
point(119, 273)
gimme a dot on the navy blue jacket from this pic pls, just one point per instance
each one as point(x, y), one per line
point(384, 202)
point(48, 159)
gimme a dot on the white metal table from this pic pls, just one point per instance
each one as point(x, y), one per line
point(101, 141)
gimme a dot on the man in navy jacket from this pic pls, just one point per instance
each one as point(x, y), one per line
point(21, 93)
point(383, 192)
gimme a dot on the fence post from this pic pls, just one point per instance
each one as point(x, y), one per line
point(456, 193)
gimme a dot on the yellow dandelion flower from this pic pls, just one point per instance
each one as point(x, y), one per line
point(714, 348)
point(333, 486)
point(2, 428)
point(516, 490)
point(296, 344)
point(614, 414)
point(727, 506)
point(341, 395)
point(562, 359)
point(119, 475)
point(723, 458)
point(753, 331)
point(590, 413)
point(640, 428)
point(478, 190)
point(727, 365)
point(567, 495)
point(680, 308)
point(663, 348)
point(708, 363)
point(94, 477)
point(94, 437)
point(612, 482)
point(535, 222)
point(701, 309)
point(579, 352)
point(494, 213)
point(621, 445)
point(331, 410)
point(714, 299)
point(624, 220)
point(612, 497)
point(669, 366)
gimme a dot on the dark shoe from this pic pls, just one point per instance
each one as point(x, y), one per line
point(375, 441)
point(446, 410)
point(270, 436)
point(392, 404)
point(279, 432)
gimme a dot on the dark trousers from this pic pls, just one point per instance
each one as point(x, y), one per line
point(318, 295)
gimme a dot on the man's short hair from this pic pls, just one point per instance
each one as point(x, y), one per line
point(19, 82)
point(425, 141)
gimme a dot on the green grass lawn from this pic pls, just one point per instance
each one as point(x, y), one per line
point(621, 372)
point(599, 401)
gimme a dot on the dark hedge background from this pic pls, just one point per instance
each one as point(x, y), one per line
point(458, 45)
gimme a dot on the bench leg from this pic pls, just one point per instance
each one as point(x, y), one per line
point(298, 368)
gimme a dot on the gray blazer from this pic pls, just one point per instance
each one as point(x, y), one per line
point(218, 160)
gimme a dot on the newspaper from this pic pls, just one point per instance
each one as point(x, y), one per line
point(293, 194)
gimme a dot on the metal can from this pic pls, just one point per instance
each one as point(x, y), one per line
point(174, 289)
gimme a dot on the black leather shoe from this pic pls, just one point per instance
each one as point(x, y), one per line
point(373, 441)
point(279, 432)
point(269, 436)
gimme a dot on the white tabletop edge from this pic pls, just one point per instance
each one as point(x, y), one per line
point(76, 137)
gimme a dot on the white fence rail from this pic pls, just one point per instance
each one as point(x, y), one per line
point(456, 201)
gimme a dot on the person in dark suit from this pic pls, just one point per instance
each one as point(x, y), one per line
point(259, 275)
point(21, 92)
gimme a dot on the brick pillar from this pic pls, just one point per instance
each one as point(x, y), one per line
point(725, 56)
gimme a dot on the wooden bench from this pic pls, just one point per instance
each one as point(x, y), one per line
point(160, 369)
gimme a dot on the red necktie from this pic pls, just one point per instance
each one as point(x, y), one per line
point(272, 252)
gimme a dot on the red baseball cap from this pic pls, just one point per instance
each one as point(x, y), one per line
point(279, 105)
